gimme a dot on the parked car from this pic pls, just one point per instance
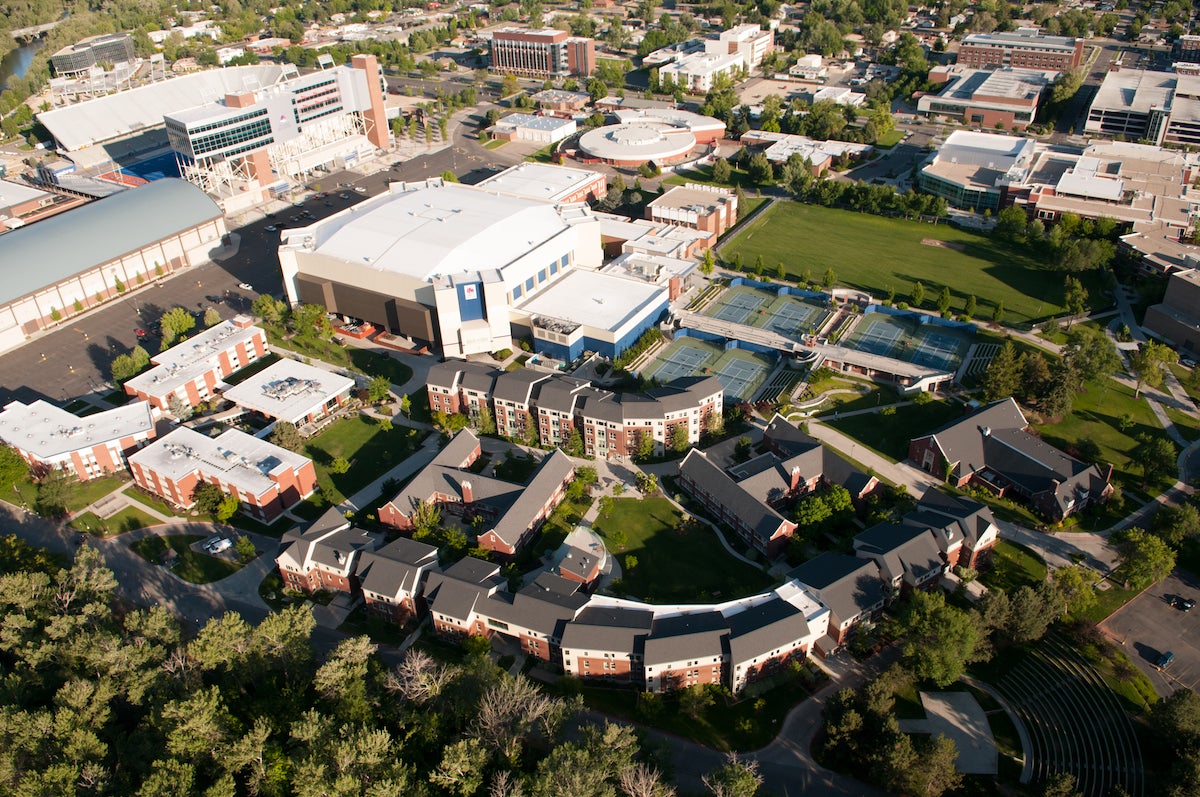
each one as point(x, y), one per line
point(215, 545)
point(1164, 661)
point(141, 333)
point(246, 286)
point(1184, 604)
point(343, 196)
point(271, 228)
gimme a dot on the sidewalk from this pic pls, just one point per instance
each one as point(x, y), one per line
point(417, 460)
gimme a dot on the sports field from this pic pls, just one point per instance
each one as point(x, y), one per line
point(878, 254)
point(741, 373)
point(904, 339)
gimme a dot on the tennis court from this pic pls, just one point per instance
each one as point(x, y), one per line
point(792, 317)
point(937, 350)
point(879, 337)
point(737, 305)
point(737, 376)
point(682, 358)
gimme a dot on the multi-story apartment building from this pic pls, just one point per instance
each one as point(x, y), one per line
point(1025, 48)
point(266, 479)
point(542, 53)
point(325, 556)
point(191, 371)
point(48, 437)
point(609, 424)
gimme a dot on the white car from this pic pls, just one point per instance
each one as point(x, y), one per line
point(246, 286)
point(220, 544)
point(271, 228)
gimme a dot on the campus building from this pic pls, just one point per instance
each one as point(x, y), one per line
point(75, 58)
point(1177, 318)
point(849, 587)
point(662, 136)
point(609, 424)
point(326, 555)
point(821, 155)
point(1025, 48)
point(544, 182)
point(970, 169)
point(192, 371)
point(19, 202)
point(256, 141)
point(294, 392)
point(991, 449)
point(542, 53)
point(465, 268)
point(556, 102)
point(509, 513)
point(700, 207)
point(533, 128)
point(1141, 105)
point(96, 253)
point(1002, 98)
point(266, 479)
point(48, 437)
point(391, 579)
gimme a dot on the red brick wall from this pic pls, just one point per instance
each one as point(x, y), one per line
point(593, 667)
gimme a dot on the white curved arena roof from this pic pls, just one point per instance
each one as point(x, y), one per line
point(127, 112)
point(437, 230)
point(639, 141)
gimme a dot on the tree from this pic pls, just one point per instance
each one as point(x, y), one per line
point(1145, 559)
point(379, 388)
point(1092, 354)
point(174, 324)
point(1075, 298)
point(645, 446)
point(1061, 785)
point(1155, 455)
point(738, 778)
point(679, 438)
point(211, 317)
point(339, 465)
point(206, 498)
point(311, 321)
point(759, 171)
point(969, 309)
point(1035, 375)
point(721, 172)
point(1077, 585)
point(406, 405)
point(286, 435)
point(1031, 610)
point(631, 562)
point(932, 772)
point(1149, 364)
point(1011, 223)
point(647, 483)
point(828, 279)
point(245, 548)
point(998, 313)
point(939, 640)
point(1003, 376)
point(695, 699)
point(123, 369)
point(51, 497)
point(269, 309)
point(179, 408)
point(1174, 524)
point(943, 302)
point(708, 262)
point(227, 508)
point(918, 294)
point(12, 467)
point(462, 767)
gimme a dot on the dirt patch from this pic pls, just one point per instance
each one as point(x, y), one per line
point(957, 247)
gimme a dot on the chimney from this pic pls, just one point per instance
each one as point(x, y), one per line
point(467, 495)
point(795, 479)
point(986, 430)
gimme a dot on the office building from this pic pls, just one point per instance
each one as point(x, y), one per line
point(1025, 48)
point(1003, 98)
point(73, 59)
point(542, 53)
point(1160, 108)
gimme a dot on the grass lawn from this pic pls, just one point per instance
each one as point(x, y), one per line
point(878, 254)
point(747, 724)
point(193, 567)
point(371, 451)
point(127, 519)
point(377, 363)
point(1013, 566)
point(674, 567)
point(371, 363)
point(889, 435)
point(359, 623)
point(78, 494)
point(737, 178)
point(154, 503)
point(1097, 416)
point(261, 364)
point(516, 468)
point(889, 140)
point(1109, 600)
point(495, 143)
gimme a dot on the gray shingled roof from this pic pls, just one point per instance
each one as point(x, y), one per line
point(686, 636)
point(62, 246)
point(764, 628)
point(517, 386)
point(394, 567)
point(962, 441)
point(903, 549)
point(761, 519)
point(848, 585)
point(604, 628)
point(554, 469)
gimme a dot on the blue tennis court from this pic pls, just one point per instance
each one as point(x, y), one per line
point(737, 307)
point(683, 361)
point(879, 338)
point(736, 376)
point(936, 350)
point(791, 318)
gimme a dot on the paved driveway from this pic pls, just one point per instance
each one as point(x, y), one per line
point(1148, 626)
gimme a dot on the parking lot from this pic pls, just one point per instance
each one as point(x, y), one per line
point(1149, 626)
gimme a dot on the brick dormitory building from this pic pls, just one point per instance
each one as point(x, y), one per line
point(610, 424)
point(658, 648)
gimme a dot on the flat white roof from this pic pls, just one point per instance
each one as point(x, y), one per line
point(533, 121)
point(136, 110)
point(996, 151)
point(185, 361)
point(14, 193)
point(1085, 179)
point(545, 182)
point(1136, 90)
point(48, 432)
point(704, 64)
point(652, 268)
point(288, 390)
point(234, 458)
point(644, 141)
point(595, 299)
point(434, 229)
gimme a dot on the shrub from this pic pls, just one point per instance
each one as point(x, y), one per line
point(502, 355)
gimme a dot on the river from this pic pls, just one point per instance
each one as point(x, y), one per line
point(17, 61)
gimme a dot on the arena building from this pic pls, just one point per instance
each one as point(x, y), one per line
point(71, 262)
point(660, 136)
